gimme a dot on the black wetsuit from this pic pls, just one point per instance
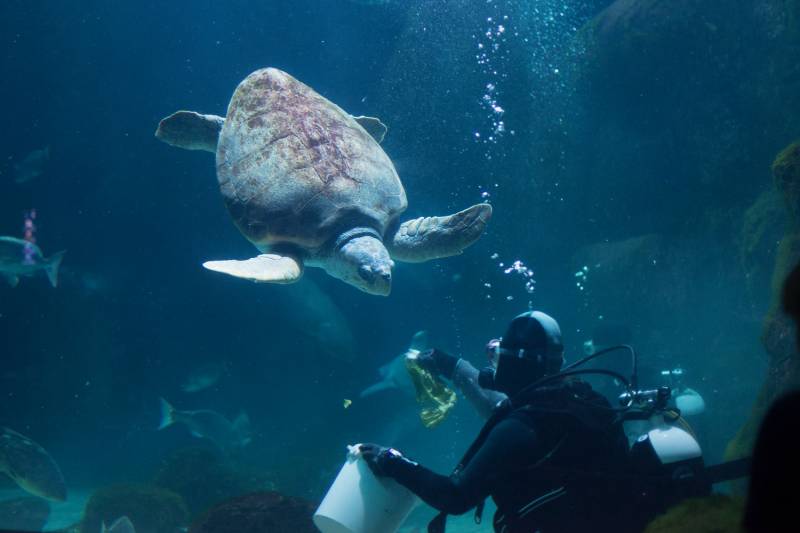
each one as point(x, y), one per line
point(532, 459)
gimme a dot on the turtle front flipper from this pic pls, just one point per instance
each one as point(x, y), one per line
point(265, 268)
point(373, 126)
point(426, 238)
point(190, 130)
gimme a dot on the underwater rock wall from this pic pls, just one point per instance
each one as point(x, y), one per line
point(778, 332)
point(677, 90)
point(683, 106)
point(701, 515)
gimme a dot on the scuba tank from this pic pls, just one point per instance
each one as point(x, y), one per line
point(661, 430)
point(665, 460)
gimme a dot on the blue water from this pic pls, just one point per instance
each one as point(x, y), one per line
point(635, 159)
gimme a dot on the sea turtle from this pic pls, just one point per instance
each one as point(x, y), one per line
point(308, 184)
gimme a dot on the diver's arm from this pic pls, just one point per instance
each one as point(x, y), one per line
point(440, 492)
point(507, 448)
point(465, 378)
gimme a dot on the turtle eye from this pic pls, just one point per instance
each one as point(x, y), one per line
point(365, 272)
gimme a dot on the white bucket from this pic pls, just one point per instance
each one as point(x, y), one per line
point(359, 502)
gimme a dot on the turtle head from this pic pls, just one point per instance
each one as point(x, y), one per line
point(363, 261)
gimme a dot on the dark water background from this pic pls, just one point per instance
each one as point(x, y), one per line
point(638, 160)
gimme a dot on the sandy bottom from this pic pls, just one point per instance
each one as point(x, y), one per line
point(62, 514)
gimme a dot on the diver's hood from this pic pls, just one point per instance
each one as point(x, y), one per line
point(535, 335)
point(530, 348)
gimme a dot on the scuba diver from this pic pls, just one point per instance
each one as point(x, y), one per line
point(545, 450)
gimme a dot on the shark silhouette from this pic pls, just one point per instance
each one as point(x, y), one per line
point(394, 374)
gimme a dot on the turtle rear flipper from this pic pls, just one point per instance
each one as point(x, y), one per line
point(190, 130)
point(265, 268)
point(426, 238)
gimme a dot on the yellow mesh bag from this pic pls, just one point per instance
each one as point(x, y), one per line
point(435, 397)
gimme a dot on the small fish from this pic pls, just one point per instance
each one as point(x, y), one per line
point(210, 425)
point(30, 466)
point(32, 166)
point(19, 257)
point(347, 403)
point(394, 374)
point(203, 377)
point(122, 524)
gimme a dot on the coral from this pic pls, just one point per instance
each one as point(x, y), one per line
point(256, 513)
point(152, 509)
point(714, 514)
point(203, 477)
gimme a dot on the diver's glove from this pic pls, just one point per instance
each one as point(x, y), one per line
point(384, 462)
point(438, 363)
